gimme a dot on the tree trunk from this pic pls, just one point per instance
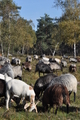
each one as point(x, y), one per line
point(23, 50)
point(2, 49)
point(74, 50)
point(8, 51)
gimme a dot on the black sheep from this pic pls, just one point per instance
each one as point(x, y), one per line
point(42, 83)
point(42, 68)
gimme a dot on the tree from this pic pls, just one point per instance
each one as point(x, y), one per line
point(70, 22)
point(24, 35)
point(45, 34)
point(8, 11)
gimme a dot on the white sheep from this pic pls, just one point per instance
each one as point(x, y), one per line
point(57, 60)
point(68, 80)
point(21, 89)
point(17, 71)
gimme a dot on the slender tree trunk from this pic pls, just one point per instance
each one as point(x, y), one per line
point(55, 49)
point(23, 50)
point(2, 49)
point(8, 50)
point(74, 50)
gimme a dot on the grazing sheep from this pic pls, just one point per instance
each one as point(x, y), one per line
point(52, 60)
point(56, 95)
point(68, 80)
point(21, 89)
point(57, 60)
point(42, 55)
point(64, 63)
point(36, 57)
point(78, 59)
point(55, 66)
point(72, 68)
point(12, 71)
point(29, 59)
point(3, 85)
point(65, 56)
point(7, 68)
point(27, 66)
point(42, 68)
point(45, 60)
point(3, 88)
point(4, 60)
point(15, 61)
point(42, 83)
point(73, 60)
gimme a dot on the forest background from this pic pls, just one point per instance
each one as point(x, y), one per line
point(59, 35)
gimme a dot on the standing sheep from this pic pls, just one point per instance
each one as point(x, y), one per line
point(17, 71)
point(42, 68)
point(56, 95)
point(68, 80)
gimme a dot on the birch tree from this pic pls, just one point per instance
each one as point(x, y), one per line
point(70, 22)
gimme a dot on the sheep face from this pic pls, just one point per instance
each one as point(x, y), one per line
point(33, 107)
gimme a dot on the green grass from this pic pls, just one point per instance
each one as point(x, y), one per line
point(17, 113)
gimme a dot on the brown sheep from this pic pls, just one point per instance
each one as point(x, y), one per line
point(27, 66)
point(56, 95)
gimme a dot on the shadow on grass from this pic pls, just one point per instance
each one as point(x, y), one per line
point(71, 109)
point(63, 109)
point(40, 109)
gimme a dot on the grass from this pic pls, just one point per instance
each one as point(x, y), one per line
point(17, 113)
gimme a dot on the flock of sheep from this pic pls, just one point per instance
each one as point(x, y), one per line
point(50, 89)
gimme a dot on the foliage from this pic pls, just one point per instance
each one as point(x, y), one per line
point(15, 32)
point(46, 32)
point(69, 23)
point(70, 32)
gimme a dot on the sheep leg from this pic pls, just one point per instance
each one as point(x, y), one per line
point(39, 74)
point(74, 96)
point(67, 108)
point(45, 108)
point(70, 93)
point(56, 109)
point(23, 100)
point(36, 109)
point(26, 105)
point(49, 109)
point(7, 100)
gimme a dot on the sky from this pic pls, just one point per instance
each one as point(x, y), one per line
point(35, 9)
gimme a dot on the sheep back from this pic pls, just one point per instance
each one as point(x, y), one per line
point(42, 83)
point(68, 80)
